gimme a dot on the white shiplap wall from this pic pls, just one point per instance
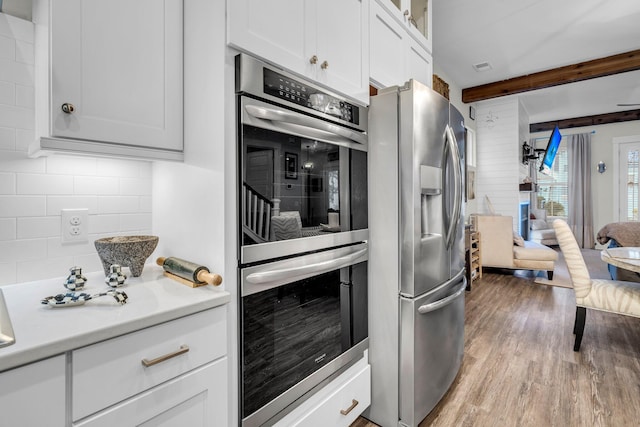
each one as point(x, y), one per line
point(33, 191)
point(500, 125)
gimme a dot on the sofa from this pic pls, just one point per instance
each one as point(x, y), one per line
point(542, 228)
point(503, 248)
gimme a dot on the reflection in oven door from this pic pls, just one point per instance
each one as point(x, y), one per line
point(297, 186)
point(293, 330)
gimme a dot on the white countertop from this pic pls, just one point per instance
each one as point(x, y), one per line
point(42, 331)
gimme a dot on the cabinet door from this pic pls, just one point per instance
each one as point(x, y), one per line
point(119, 63)
point(276, 31)
point(343, 46)
point(419, 63)
point(388, 48)
point(196, 399)
point(34, 395)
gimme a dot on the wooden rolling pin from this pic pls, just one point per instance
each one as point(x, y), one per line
point(197, 274)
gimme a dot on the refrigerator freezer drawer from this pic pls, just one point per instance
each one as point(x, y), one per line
point(431, 348)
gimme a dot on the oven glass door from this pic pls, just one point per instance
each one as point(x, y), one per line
point(291, 330)
point(300, 177)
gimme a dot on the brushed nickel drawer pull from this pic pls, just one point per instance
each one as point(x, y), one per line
point(182, 350)
point(354, 403)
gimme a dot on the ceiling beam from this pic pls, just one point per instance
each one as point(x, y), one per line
point(615, 64)
point(598, 119)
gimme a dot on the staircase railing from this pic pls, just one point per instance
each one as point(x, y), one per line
point(258, 210)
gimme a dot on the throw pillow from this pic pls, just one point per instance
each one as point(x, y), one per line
point(539, 224)
point(517, 239)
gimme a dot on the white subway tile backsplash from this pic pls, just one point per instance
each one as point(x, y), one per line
point(19, 162)
point(7, 140)
point(21, 118)
point(56, 248)
point(25, 96)
point(146, 169)
point(98, 185)
point(44, 184)
point(38, 227)
point(7, 93)
point(118, 204)
point(20, 73)
point(23, 250)
point(21, 206)
point(7, 273)
point(16, 28)
point(100, 224)
point(145, 204)
point(56, 203)
point(7, 48)
point(27, 271)
point(89, 262)
point(7, 228)
point(70, 165)
point(135, 222)
point(24, 52)
point(24, 138)
point(7, 183)
point(135, 186)
point(118, 167)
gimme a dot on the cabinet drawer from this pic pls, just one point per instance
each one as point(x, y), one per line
point(197, 399)
point(111, 371)
point(338, 404)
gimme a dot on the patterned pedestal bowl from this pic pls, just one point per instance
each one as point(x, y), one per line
point(127, 251)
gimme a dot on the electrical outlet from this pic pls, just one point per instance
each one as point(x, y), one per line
point(74, 225)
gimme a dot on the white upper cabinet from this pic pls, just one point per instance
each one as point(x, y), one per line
point(325, 40)
point(415, 16)
point(397, 51)
point(110, 81)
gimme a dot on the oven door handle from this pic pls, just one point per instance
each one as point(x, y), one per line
point(305, 270)
point(314, 128)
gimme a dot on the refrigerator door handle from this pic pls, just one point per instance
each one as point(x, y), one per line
point(317, 268)
point(457, 195)
point(428, 308)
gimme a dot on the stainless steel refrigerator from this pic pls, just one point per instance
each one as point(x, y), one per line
point(416, 251)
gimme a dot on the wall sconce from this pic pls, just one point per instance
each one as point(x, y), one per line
point(601, 167)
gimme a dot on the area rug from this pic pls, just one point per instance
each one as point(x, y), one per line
point(597, 269)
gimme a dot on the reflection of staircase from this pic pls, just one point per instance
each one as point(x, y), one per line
point(256, 217)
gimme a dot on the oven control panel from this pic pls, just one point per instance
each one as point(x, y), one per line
point(291, 90)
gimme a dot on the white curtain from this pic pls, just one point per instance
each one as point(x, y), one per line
point(580, 202)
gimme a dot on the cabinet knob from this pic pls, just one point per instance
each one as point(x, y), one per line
point(324, 65)
point(314, 59)
point(410, 18)
point(68, 108)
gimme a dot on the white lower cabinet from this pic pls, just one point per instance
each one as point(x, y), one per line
point(196, 399)
point(338, 404)
point(171, 374)
point(34, 395)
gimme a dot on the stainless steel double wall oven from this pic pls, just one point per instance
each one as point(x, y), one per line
point(302, 233)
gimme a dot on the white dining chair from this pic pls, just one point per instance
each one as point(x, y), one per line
point(612, 296)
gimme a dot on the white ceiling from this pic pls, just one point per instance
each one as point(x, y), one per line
point(519, 37)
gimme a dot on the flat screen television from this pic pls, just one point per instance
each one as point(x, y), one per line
point(551, 151)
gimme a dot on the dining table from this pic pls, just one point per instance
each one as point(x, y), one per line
point(627, 257)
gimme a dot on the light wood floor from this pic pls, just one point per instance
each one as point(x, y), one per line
point(519, 367)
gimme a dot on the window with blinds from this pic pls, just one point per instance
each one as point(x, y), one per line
point(553, 189)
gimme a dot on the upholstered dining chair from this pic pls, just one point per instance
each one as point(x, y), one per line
point(612, 296)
